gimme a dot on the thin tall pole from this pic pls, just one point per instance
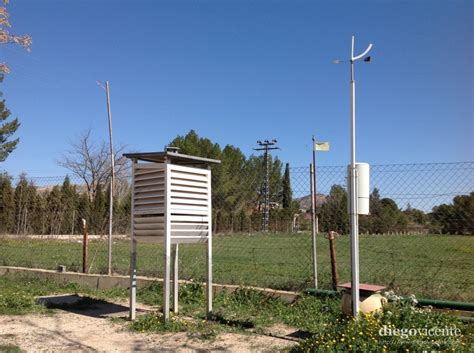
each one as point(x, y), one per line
point(167, 245)
point(353, 199)
point(112, 176)
point(133, 252)
point(313, 227)
point(209, 285)
point(315, 186)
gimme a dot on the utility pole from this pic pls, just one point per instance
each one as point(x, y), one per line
point(112, 177)
point(265, 147)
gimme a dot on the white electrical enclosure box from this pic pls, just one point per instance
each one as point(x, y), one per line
point(363, 188)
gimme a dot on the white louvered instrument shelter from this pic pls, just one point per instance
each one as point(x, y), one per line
point(172, 205)
point(171, 193)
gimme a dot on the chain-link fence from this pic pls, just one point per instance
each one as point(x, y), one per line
point(418, 238)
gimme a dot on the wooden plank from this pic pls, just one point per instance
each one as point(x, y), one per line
point(149, 195)
point(193, 190)
point(190, 225)
point(148, 219)
point(151, 211)
point(159, 175)
point(189, 232)
point(181, 212)
point(189, 176)
point(140, 172)
point(188, 240)
point(176, 208)
point(188, 195)
point(157, 188)
point(146, 202)
point(182, 168)
point(154, 182)
point(189, 218)
point(144, 226)
point(180, 201)
point(153, 232)
point(148, 239)
point(150, 166)
point(188, 183)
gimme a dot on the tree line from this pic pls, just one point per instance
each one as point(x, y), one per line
point(237, 199)
point(386, 217)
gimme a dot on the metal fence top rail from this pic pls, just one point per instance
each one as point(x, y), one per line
point(173, 157)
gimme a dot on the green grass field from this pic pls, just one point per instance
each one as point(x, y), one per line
point(430, 266)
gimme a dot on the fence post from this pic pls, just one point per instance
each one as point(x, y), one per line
point(333, 259)
point(85, 245)
point(313, 226)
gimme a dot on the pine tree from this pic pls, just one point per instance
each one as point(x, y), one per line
point(7, 129)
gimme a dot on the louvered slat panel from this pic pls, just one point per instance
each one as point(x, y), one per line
point(188, 195)
point(180, 201)
point(156, 188)
point(150, 176)
point(151, 182)
point(150, 195)
point(149, 233)
point(189, 176)
point(149, 226)
point(149, 211)
point(145, 202)
point(190, 190)
point(188, 183)
point(149, 219)
point(189, 218)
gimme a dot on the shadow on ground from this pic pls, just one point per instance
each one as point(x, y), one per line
point(84, 305)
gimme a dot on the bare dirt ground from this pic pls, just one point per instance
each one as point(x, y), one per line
point(65, 331)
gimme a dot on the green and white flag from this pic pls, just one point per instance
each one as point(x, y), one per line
point(321, 146)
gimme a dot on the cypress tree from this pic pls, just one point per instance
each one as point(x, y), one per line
point(7, 205)
point(286, 188)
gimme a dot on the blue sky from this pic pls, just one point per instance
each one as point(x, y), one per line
point(239, 71)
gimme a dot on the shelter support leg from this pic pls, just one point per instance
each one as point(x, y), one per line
point(133, 280)
point(166, 282)
point(209, 277)
point(175, 279)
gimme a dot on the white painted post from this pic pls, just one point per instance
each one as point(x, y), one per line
point(209, 248)
point(354, 214)
point(313, 226)
point(133, 255)
point(167, 244)
point(175, 278)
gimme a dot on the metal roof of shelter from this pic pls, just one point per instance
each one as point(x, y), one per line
point(172, 157)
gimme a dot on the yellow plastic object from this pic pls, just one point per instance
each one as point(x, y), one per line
point(366, 304)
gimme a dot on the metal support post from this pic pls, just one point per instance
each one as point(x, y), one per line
point(133, 255)
point(313, 227)
point(175, 278)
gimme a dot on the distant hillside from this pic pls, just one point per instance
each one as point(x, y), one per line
point(305, 201)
